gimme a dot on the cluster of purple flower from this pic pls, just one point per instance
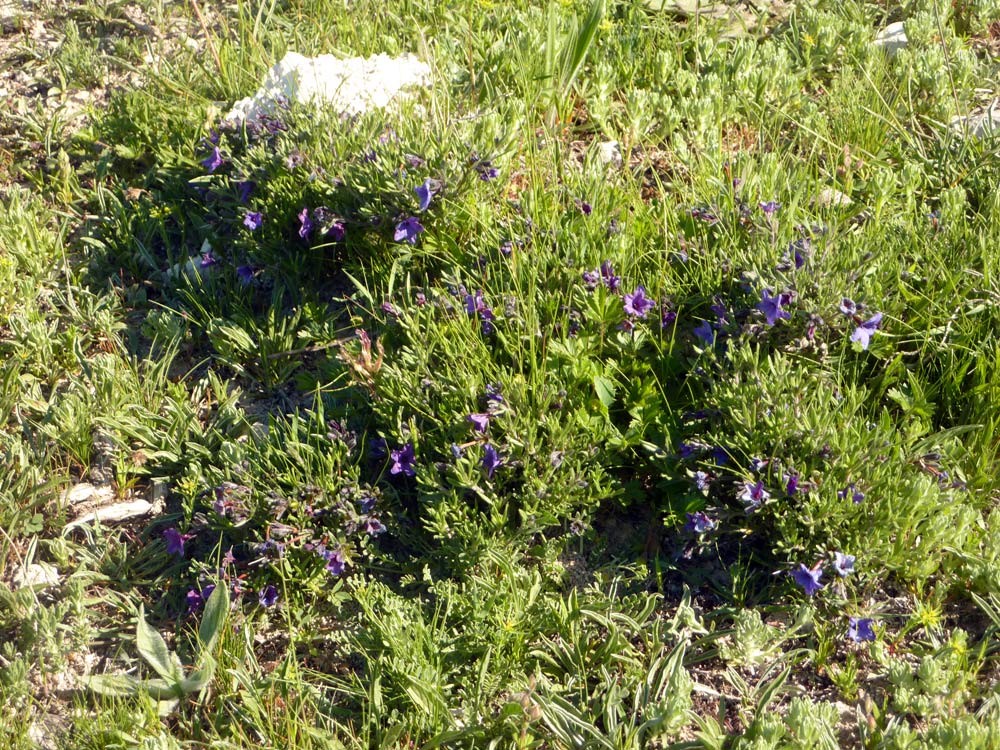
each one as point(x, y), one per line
point(809, 578)
point(475, 304)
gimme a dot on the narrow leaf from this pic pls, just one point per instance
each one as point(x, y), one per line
point(214, 619)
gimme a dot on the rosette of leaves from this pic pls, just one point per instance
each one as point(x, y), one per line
point(173, 683)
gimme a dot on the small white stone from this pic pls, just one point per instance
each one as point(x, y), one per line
point(36, 574)
point(353, 85)
point(983, 124)
point(610, 154)
point(85, 491)
point(892, 38)
point(115, 513)
point(829, 197)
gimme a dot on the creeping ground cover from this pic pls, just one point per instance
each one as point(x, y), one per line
point(631, 379)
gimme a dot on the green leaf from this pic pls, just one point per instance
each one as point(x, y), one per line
point(214, 619)
point(606, 389)
point(197, 680)
point(154, 650)
point(116, 685)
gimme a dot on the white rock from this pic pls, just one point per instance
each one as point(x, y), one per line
point(115, 513)
point(610, 154)
point(85, 492)
point(353, 85)
point(983, 124)
point(892, 38)
point(36, 574)
point(829, 197)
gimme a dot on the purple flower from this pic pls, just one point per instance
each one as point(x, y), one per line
point(214, 160)
point(493, 394)
point(374, 527)
point(843, 564)
point(860, 629)
point(268, 596)
point(485, 168)
point(591, 278)
point(491, 459)
point(336, 231)
point(611, 281)
point(408, 230)
point(197, 598)
point(480, 422)
point(367, 503)
point(720, 456)
point(702, 480)
point(856, 495)
point(792, 485)
point(705, 333)
point(863, 333)
point(699, 522)
point(477, 304)
point(808, 578)
point(667, 315)
point(769, 207)
point(721, 313)
point(585, 207)
point(754, 494)
point(688, 450)
point(245, 274)
point(335, 561)
point(403, 461)
point(306, 228)
point(848, 306)
point(456, 450)
point(208, 260)
point(771, 307)
point(253, 220)
point(175, 541)
point(638, 304)
point(424, 194)
point(245, 187)
point(390, 309)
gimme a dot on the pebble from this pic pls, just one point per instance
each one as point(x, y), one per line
point(892, 38)
point(983, 124)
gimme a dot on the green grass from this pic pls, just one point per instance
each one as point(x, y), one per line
point(552, 594)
